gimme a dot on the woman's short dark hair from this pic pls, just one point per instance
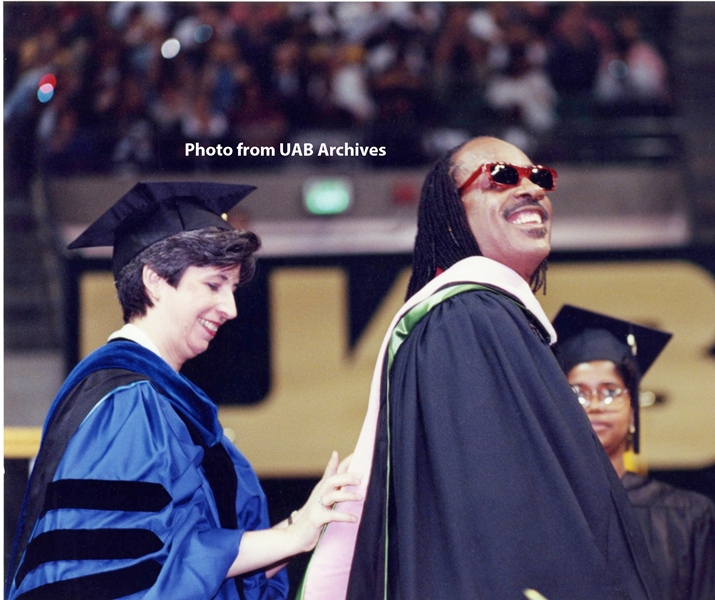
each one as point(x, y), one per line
point(169, 258)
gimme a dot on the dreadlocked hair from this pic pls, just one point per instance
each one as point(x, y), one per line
point(443, 234)
point(538, 279)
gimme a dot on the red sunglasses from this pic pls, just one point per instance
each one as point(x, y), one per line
point(507, 175)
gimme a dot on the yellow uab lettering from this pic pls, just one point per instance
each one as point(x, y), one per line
point(319, 393)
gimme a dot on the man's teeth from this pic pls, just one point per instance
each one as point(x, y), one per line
point(209, 325)
point(527, 218)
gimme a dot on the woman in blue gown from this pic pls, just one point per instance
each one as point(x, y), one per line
point(136, 492)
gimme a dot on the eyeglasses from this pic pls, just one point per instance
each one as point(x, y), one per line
point(507, 175)
point(611, 397)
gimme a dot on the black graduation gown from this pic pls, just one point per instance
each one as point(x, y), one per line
point(497, 482)
point(679, 528)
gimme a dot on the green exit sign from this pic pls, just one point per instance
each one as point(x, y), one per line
point(324, 197)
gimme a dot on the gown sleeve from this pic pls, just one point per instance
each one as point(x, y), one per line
point(130, 514)
point(703, 553)
point(679, 527)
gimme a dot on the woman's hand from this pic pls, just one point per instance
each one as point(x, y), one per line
point(318, 511)
point(270, 549)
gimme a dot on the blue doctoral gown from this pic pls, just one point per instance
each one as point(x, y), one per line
point(121, 502)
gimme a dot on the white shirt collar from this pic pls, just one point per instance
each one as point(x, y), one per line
point(133, 333)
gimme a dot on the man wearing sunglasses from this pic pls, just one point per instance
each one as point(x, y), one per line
point(482, 477)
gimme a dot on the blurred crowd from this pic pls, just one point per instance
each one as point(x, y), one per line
point(136, 80)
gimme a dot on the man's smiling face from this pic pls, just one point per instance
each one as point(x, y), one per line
point(512, 225)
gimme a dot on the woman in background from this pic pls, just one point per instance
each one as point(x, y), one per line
point(604, 360)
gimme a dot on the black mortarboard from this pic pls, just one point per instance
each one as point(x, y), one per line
point(585, 336)
point(152, 211)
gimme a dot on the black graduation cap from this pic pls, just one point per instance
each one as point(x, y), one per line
point(152, 211)
point(585, 336)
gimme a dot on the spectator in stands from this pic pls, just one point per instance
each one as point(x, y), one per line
point(459, 73)
point(399, 88)
point(142, 38)
point(37, 56)
point(224, 74)
point(258, 122)
point(260, 26)
point(106, 82)
point(169, 109)
point(66, 148)
point(349, 89)
point(134, 149)
point(574, 58)
point(204, 124)
point(633, 76)
point(292, 77)
point(519, 89)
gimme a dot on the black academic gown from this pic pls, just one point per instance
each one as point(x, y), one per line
point(497, 482)
point(679, 528)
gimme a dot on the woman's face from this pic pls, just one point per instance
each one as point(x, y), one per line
point(190, 315)
point(611, 423)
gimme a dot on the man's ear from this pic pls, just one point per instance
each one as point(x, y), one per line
point(152, 283)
